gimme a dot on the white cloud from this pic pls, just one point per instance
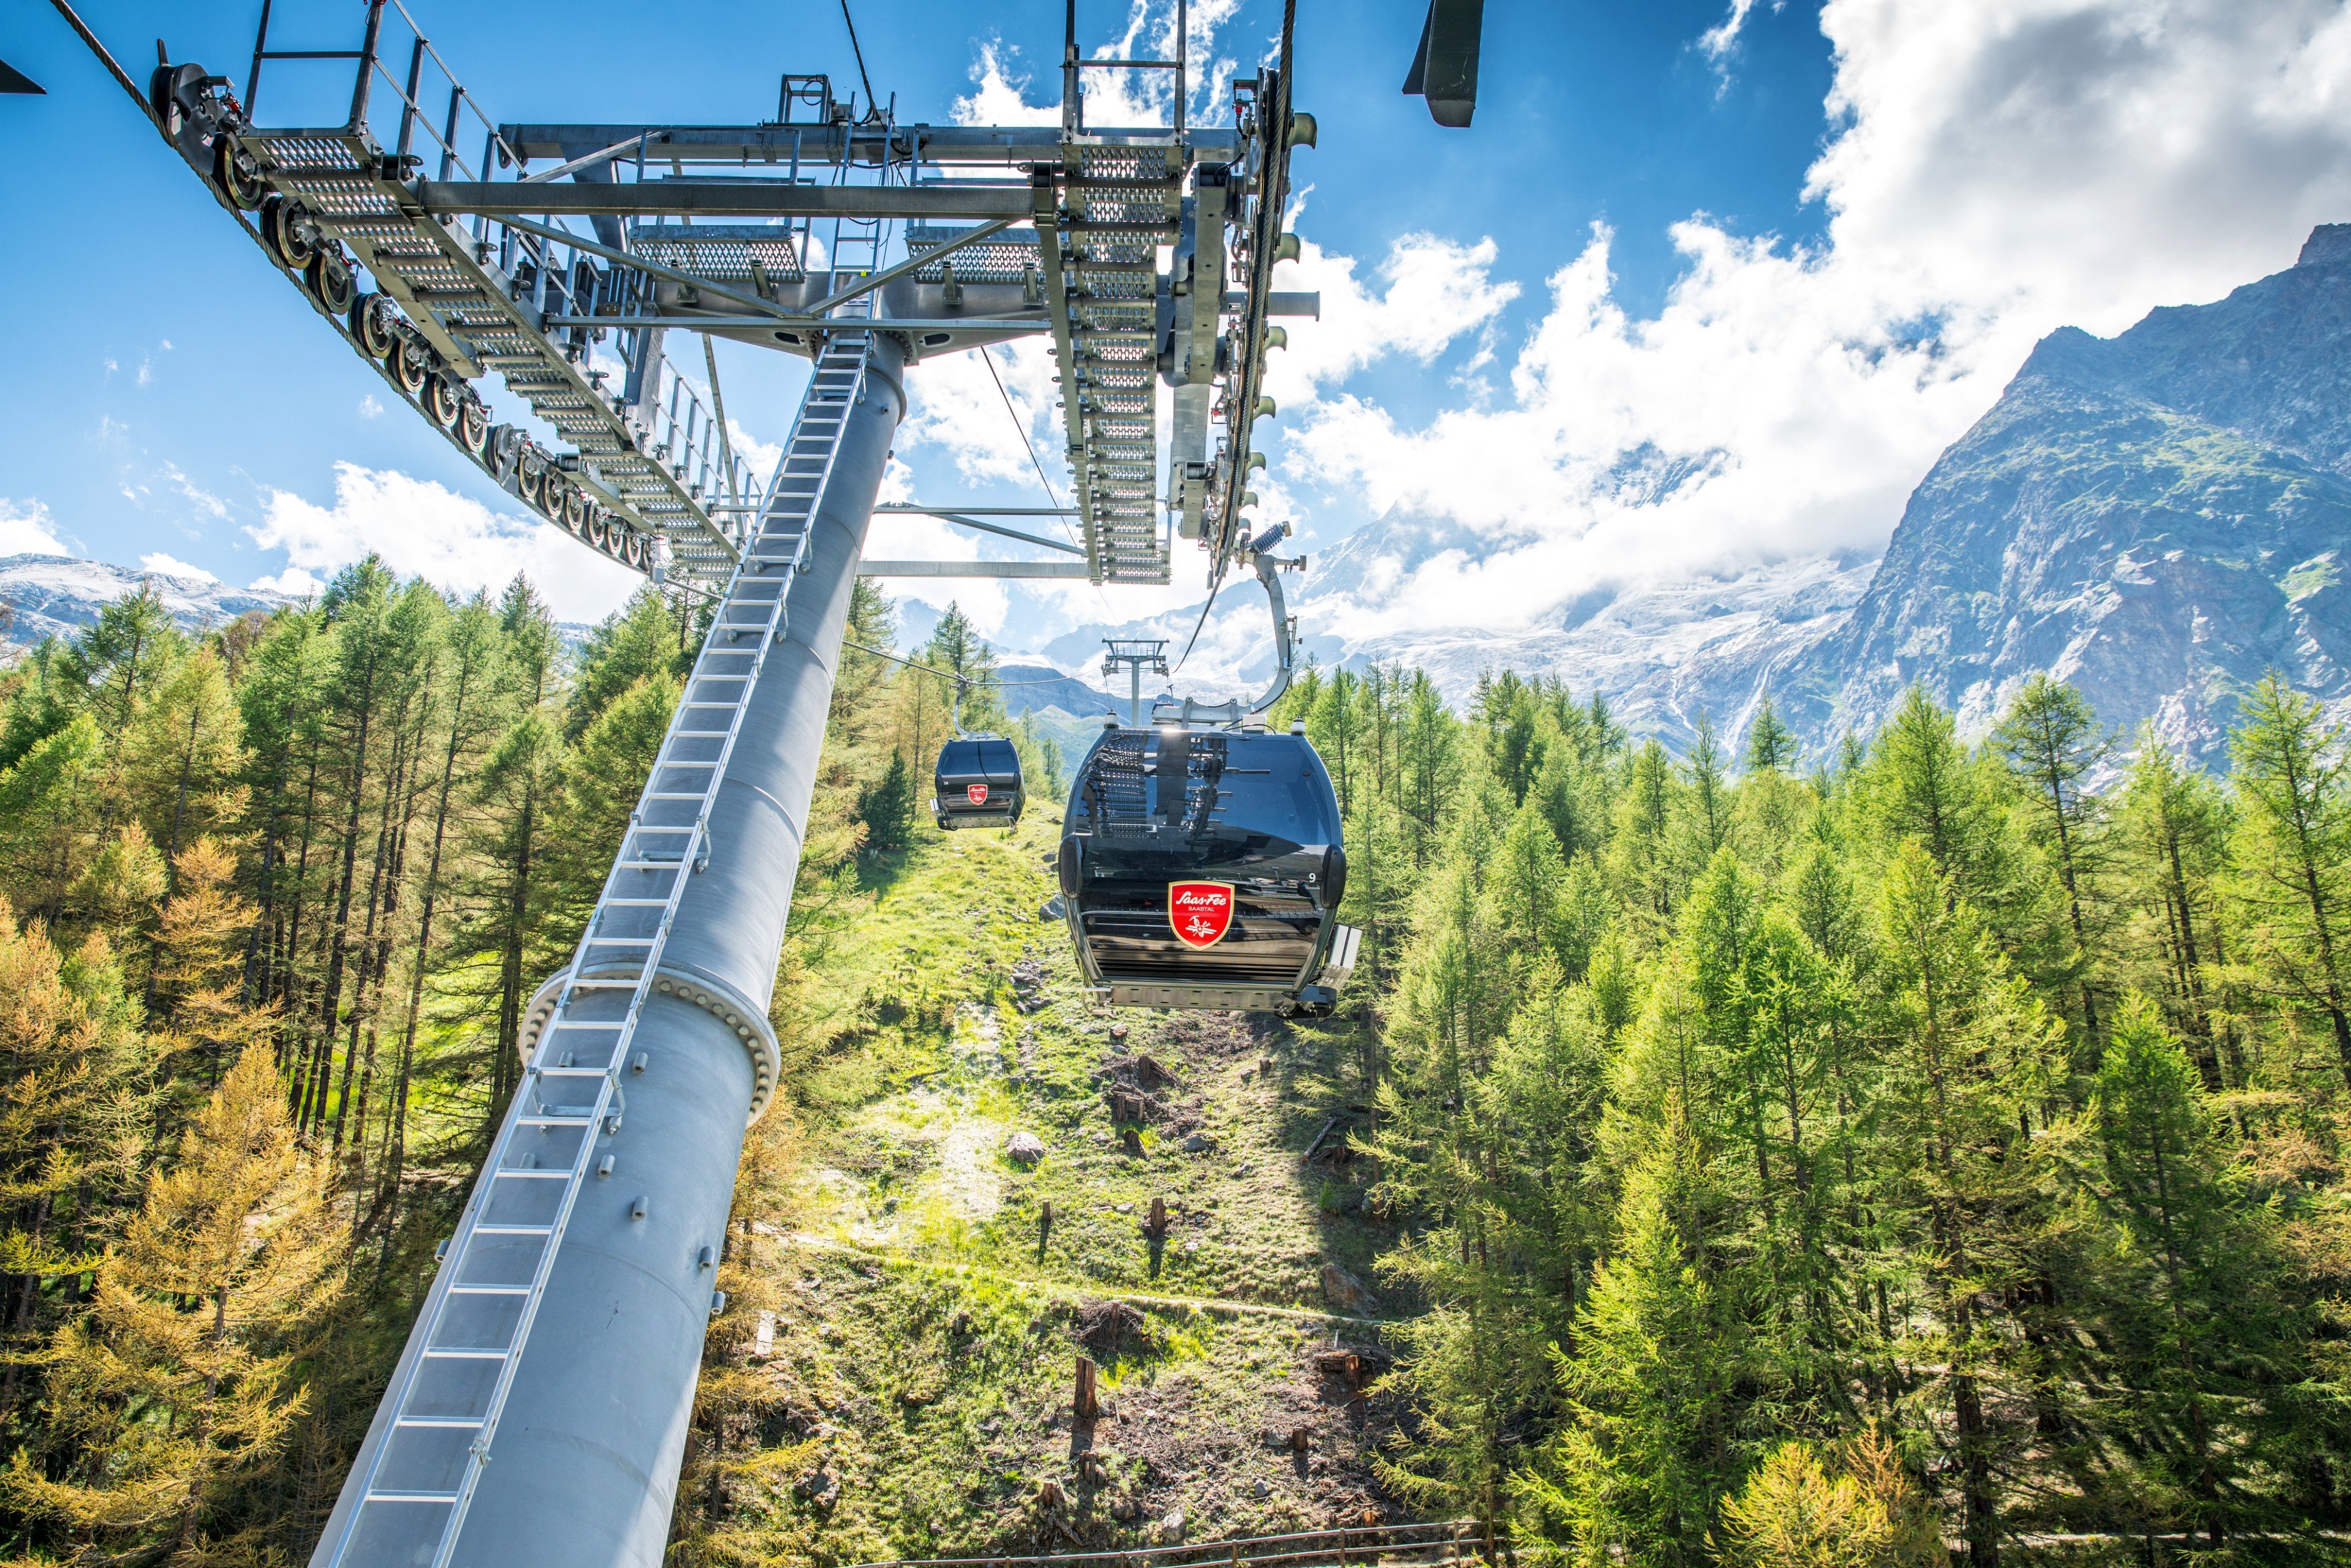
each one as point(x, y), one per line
point(422, 529)
point(369, 407)
point(211, 506)
point(293, 582)
point(168, 566)
point(2001, 168)
point(27, 529)
point(1000, 92)
point(2072, 162)
point(1437, 291)
point(1718, 41)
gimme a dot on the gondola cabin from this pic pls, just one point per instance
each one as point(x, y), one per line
point(979, 784)
point(1203, 868)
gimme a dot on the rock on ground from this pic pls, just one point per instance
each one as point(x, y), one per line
point(1347, 1293)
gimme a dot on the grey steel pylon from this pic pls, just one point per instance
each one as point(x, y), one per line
point(417, 1483)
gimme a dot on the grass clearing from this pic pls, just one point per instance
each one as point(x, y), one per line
point(929, 1314)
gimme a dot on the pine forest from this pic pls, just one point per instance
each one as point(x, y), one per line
point(1929, 1150)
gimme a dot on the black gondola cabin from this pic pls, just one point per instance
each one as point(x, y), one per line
point(979, 784)
point(1203, 868)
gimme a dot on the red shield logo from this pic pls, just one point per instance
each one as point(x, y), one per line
point(1200, 912)
point(976, 793)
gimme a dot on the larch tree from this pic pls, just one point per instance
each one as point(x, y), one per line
point(2190, 1268)
point(2051, 739)
point(2295, 849)
point(157, 1414)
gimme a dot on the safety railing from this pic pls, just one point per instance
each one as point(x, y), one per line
point(554, 271)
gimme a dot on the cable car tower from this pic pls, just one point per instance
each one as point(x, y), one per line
point(539, 1411)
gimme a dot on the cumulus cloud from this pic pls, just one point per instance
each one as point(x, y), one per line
point(164, 565)
point(422, 529)
point(27, 529)
point(293, 582)
point(1998, 168)
point(1435, 291)
point(1001, 87)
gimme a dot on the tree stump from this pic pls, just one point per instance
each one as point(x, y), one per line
point(1085, 1405)
point(1300, 1439)
point(1158, 1217)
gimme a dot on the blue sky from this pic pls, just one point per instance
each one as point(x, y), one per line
point(1703, 235)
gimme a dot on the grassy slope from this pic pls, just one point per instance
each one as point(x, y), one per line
point(926, 1321)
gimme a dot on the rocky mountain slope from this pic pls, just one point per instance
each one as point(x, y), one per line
point(2160, 517)
point(56, 595)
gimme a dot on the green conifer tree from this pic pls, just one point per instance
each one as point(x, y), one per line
point(157, 1414)
point(2295, 852)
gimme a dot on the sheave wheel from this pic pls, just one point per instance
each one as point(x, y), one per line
point(473, 427)
point(281, 226)
point(551, 489)
point(599, 533)
point(577, 509)
point(443, 401)
point(331, 283)
point(530, 473)
point(410, 369)
point(372, 326)
point(636, 548)
point(237, 176)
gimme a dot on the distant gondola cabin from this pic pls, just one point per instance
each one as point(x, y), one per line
point(979, 784)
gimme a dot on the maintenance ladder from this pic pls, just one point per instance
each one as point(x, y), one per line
point(446, 1399)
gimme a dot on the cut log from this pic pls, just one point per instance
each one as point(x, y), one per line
point(1318, 1137)
point(1085, 1405)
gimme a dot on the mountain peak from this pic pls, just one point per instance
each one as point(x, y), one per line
point(2066, 354)
point(2328, 244)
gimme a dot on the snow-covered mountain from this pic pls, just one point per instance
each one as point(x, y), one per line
point(57, 595)
point(1661, 654)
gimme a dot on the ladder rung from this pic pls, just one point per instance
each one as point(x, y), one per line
point(552, 1122)
point(489, 1290)
point(606, 984)
point(622, 941)
point(440, 1496)
point(569, 1023)
point(531, 1175)
point(514, 1231)
point(571, 1071)
point(437, 1421)
point(463, 1354)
